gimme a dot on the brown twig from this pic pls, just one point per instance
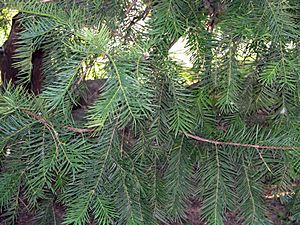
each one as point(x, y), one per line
point(79, 130)
point(122, 142)
point(54, 134)
point(37, 117)
point(241, 144)
point(49, 125)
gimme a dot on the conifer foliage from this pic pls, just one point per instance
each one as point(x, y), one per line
point(134, 158)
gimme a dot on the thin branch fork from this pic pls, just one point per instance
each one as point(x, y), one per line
point(241, 144)
point(50, 127)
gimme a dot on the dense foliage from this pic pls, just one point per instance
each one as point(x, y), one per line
point(135, 161)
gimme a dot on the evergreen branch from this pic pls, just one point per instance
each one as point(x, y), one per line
point(251, 198)
point(41, 14)
point(107, 154)
point(104, 175)
point(250, 189)
point(214, 187)
point(217, 196)
point(178, 177)
point(241, 144)
point(15, 133)
point(121, 84)
point(48, 125)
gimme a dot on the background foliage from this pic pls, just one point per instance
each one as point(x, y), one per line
point(138, 166)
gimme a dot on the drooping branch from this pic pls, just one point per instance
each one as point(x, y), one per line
point(195, 137)
point(241, 144)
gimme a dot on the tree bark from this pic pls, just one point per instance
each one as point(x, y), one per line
point(7, 58)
